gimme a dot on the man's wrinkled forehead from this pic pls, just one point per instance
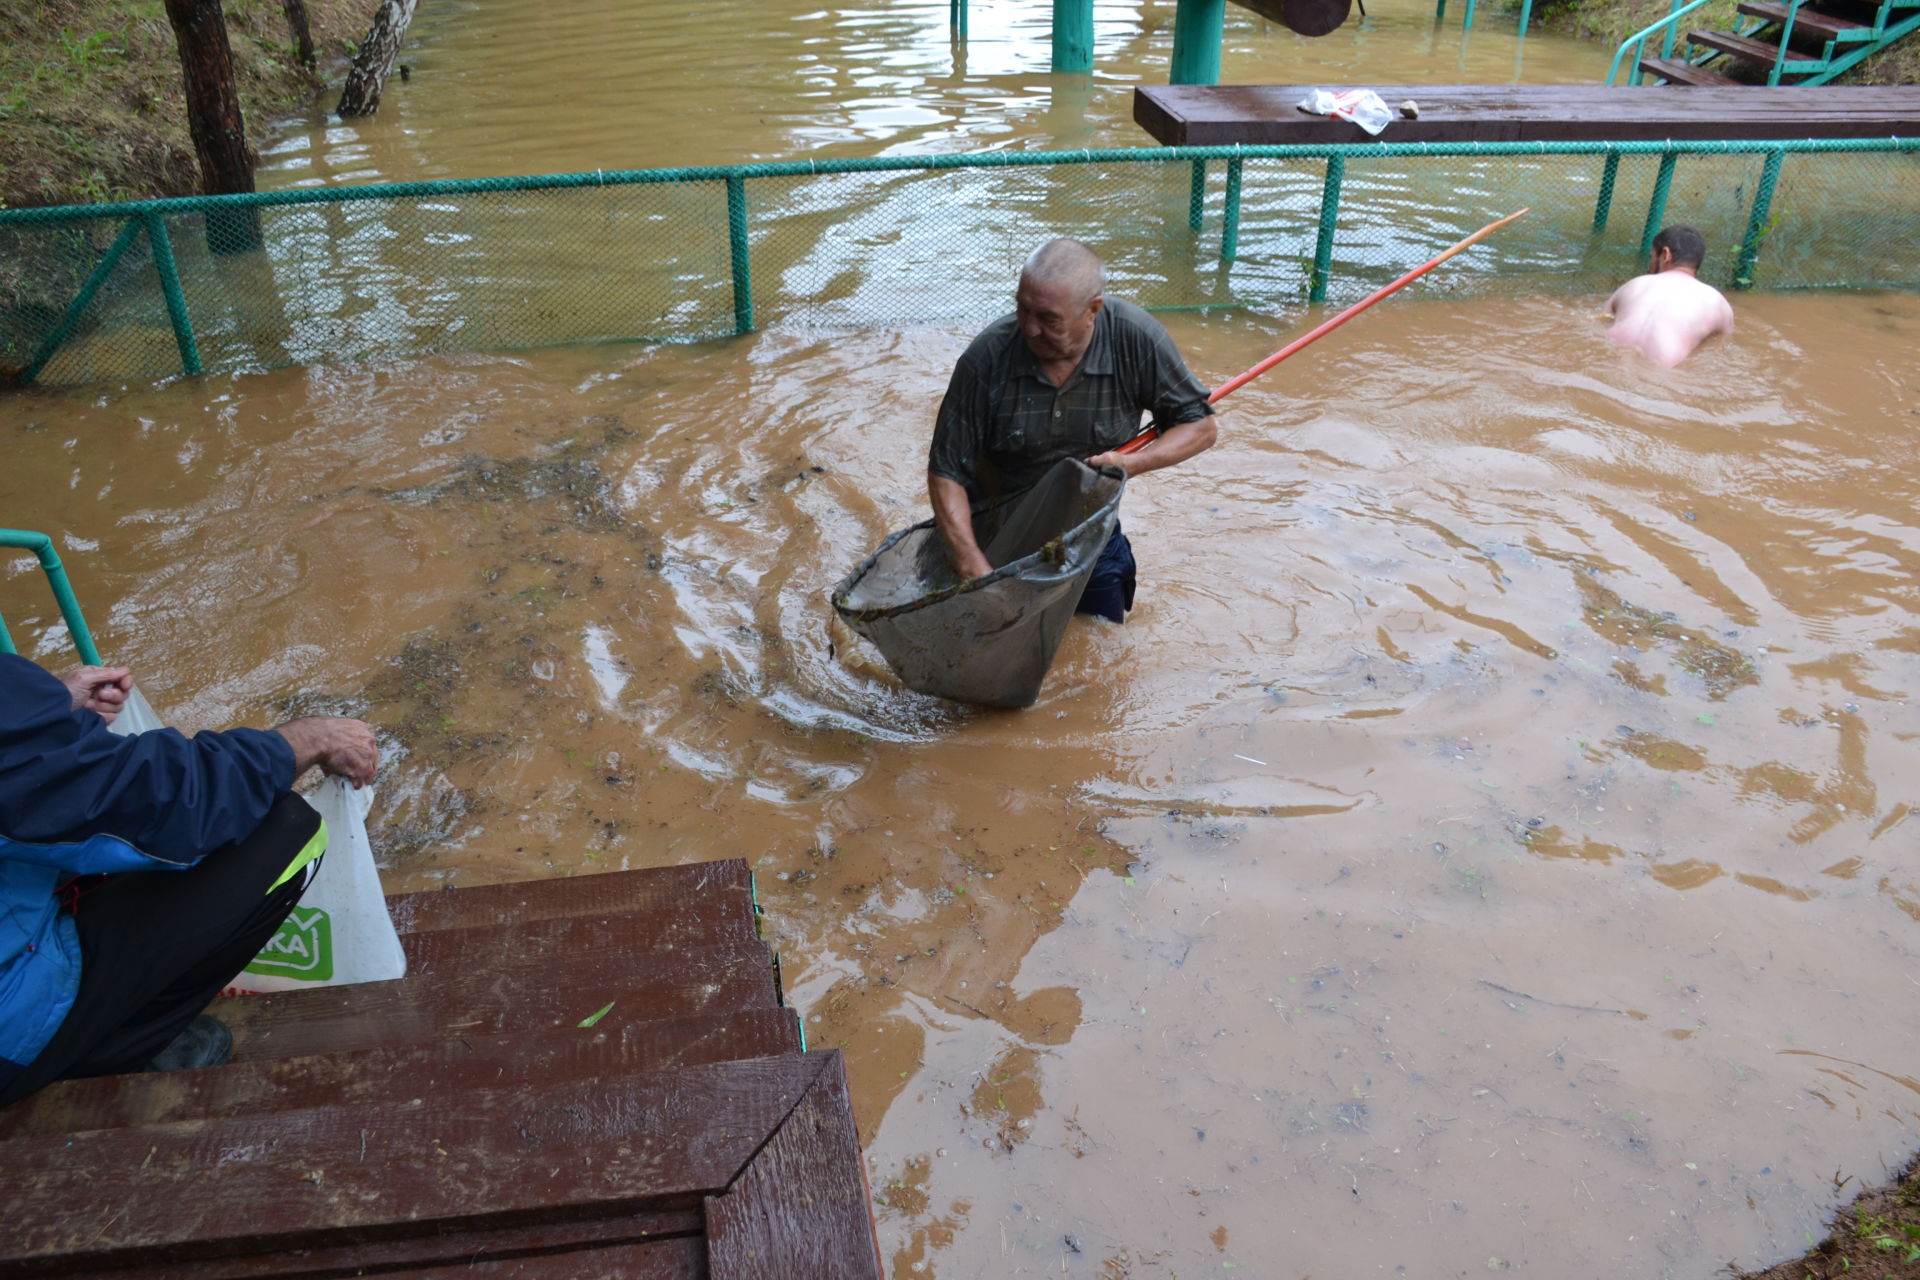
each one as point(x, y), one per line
point(1048, 297)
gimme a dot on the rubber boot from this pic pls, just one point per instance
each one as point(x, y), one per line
point(205, 1042)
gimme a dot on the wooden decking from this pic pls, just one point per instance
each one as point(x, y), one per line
point(1265, 115)
point(462, 1120)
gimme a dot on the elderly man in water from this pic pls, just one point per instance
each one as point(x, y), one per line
point(1669, 311)
point(1067, 375)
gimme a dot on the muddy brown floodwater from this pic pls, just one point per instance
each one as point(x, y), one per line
point(1488, 846)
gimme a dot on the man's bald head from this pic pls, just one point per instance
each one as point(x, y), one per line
point(1067, 268)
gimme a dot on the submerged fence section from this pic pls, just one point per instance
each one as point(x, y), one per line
point(313, 275)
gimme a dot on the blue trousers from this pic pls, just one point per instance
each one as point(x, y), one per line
point(1109, 592)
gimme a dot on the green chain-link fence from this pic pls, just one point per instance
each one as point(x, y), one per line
point(295, 277)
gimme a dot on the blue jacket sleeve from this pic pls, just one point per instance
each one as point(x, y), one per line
point(64, 777)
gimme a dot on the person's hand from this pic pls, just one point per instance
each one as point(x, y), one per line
point(102, 690)
point(1113, 458)
point(973, 566)
point(342, 748)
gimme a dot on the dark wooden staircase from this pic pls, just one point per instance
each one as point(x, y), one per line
point(1779, 42)
point(577, 1078)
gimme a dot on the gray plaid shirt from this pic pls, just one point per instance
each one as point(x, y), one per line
point(1002, 424)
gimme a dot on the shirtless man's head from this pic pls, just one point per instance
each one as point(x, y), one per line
point(1669, 311)
point(1678, 247)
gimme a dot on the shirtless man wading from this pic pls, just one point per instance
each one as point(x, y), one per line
point(1668, 312)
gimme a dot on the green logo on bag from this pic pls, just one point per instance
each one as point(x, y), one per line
point(303, 948)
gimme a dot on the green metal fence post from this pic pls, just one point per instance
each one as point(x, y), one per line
point(1609, 174)
point(1197, 31)
point(81, 301)
point(1657, 207)
point(1197, 196)
point(170, 285)
point(737, 248)
point(42, 546)
point(1073, 35)
point(1757, 221)
point(957, 16)
point(1230, 229)
point(1329, 215)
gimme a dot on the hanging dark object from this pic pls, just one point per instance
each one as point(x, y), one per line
point(1308, 17)
point(991, 640)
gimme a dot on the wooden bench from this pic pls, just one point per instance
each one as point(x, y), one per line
point(462, 1119)
point(1267, 115)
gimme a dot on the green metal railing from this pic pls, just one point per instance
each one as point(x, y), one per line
point(681, 254)
point(1668, 26)
point(42, 547)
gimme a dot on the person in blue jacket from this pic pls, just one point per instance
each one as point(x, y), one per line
point(139, 875)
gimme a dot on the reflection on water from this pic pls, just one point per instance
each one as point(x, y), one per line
point(503, 88)
point(1487, 845)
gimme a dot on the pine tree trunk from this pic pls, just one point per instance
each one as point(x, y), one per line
point(302, 33)
point(214, 120)
point(374, 62)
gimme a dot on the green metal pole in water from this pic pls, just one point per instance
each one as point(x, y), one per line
point(737, 248)
point(42, 546)
point(1197, 196)
point(1230, 229)
point(1329, 215)
point(176, 298)
point(957, 15)
point(1197, 31)
point(1073, 35)
point(1757, 221)
point(1609, 174)
point(84, 299)
point(1657, 207)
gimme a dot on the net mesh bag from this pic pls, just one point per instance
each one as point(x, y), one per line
point(991, 640)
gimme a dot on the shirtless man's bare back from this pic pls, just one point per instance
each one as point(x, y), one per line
point(1668, 312)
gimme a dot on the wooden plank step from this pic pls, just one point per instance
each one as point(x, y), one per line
point(607, 893)
point(1809, 23)
point(323, 1178)
point(803, 1208)
point(676, 1259)
point(715, 920)
point(366, 1076)
point(1760, 53)
point(662, 1239)
point(555, 995)
point(1679, 71)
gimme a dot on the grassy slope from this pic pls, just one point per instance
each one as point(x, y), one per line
point(91, 103)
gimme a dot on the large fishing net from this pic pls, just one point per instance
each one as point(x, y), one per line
point(991, 640)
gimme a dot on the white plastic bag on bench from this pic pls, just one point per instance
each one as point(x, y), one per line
point(340, 931)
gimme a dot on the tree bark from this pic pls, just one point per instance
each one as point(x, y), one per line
point(374, 62)
point(213, 118)
point(302, 32)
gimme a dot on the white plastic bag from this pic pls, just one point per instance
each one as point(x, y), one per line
point(340, 932)
point(136, 716)
point(1362, 106)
